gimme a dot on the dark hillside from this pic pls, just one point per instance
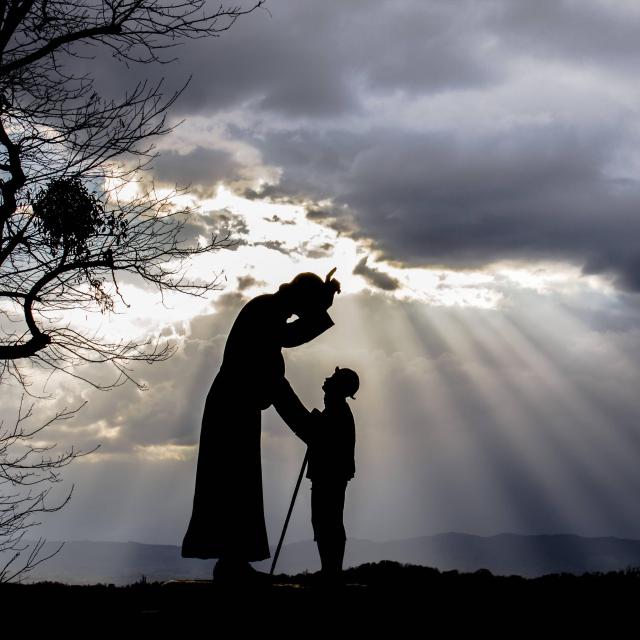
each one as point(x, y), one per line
point(384, 593)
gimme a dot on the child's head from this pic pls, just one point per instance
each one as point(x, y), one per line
point(343, 383)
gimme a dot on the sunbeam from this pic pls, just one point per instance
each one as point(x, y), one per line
point(574, 425)
point(565, 478)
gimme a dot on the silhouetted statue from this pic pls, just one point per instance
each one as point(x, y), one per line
point(227, 520)
point(330, 436)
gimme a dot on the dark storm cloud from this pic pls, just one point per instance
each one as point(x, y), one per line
point(203, 168)
point(309, 60)
point(599, 33)
point(375, 277)
point(321, 59)
point(314, 159)
point(539, 193)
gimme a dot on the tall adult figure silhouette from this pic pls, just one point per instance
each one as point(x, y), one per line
point(227, 521)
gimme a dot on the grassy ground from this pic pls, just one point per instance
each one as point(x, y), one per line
point(384, 595)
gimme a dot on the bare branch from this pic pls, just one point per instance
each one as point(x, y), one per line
point(25, 467)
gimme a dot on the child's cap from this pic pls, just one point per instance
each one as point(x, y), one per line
point(349, 381)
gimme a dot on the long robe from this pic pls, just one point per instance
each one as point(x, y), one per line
point(228, 511)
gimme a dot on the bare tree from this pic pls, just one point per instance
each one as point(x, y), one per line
point(67, 232)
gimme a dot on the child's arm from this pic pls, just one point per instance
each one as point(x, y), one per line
point(292, 411)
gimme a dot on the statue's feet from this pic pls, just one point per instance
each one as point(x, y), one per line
point(238, 573)
point(329, 580)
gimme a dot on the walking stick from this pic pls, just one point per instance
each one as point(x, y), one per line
point(286, 522)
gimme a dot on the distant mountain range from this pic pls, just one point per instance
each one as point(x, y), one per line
point(123, 563)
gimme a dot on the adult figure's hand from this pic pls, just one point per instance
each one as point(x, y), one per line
point(332, 286)
point(320, 298)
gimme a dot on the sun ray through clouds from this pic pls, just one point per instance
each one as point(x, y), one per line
point(514, 486)
point(554, 462)
point(575, 427)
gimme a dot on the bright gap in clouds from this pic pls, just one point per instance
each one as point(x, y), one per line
point(276, 241)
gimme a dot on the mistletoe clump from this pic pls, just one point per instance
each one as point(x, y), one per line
point(69, 217)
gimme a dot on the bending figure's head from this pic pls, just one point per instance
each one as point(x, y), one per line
point(305, 292)
point(342, 384)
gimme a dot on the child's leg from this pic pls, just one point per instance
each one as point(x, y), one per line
point(318, 521)
point(327, 505)
point(340, 534)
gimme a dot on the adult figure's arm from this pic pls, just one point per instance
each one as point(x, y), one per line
point(311, 307)
point(293, 412)
point(305, 328)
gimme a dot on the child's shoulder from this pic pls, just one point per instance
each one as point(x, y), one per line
point(345, 412)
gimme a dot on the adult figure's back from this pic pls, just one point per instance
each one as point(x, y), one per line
point(228, 515)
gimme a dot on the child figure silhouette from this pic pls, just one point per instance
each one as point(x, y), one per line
point(330, 436)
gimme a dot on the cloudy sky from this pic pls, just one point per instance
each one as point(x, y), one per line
point(471, 168)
